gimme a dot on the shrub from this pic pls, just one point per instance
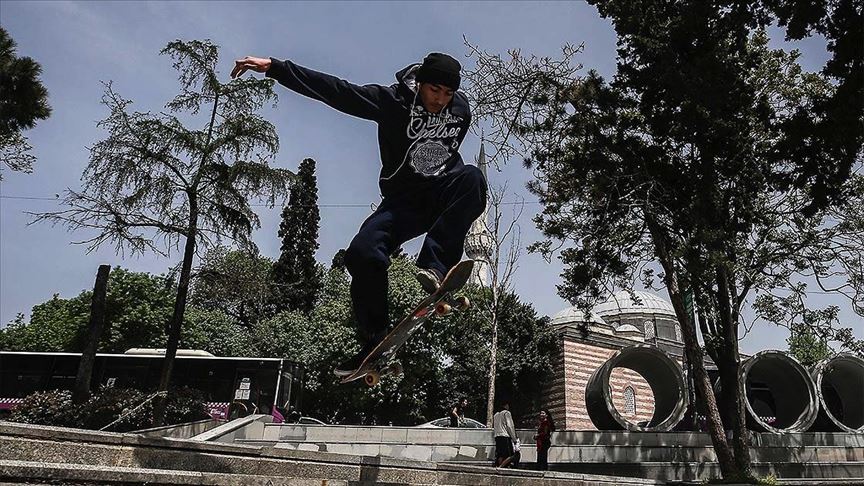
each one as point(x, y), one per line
point(52, 407)
point(107, 405)
point(185, 405)
point(55, 407)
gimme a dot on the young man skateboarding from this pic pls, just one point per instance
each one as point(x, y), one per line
point(426, 188)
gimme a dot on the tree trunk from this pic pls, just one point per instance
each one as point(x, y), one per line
point(733, 400)
point(493, 364)
point(725, 456)
point(176, 325)
point(729, 366)
point(81, 392)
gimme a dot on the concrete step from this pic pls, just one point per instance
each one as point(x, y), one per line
point(570, 452)
point(691, 471)
point(87, 474)
point(354, 434)
point(76, 450)
point(786, 482)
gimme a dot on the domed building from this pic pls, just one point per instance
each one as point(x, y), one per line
point(624, 319)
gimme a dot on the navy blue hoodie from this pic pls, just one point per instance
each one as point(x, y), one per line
point(417, 147)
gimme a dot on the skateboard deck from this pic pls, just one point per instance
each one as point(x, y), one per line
point(379, 361)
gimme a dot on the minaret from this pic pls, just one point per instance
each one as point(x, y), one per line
point(479, 242)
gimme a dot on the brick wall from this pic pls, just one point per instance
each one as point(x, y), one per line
point(565, 394)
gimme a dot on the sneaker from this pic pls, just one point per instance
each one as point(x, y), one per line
point(429, 279)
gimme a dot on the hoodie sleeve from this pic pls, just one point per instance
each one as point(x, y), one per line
point(361, 101)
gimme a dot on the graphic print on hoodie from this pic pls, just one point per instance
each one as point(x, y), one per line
point(416, 146)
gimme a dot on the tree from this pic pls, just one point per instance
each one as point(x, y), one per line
point(23, 100)
point(836, 116)
point(526, 346)
point(81, 390)
point(237, 282)
point(807, 347)
point(138, 305)
point(54, 326)
point(295, 274)
point(687, 160)
point(214, 331)
point(155, 184)
point(502, 258)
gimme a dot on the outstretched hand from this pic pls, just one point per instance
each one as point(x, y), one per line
point(257, 64)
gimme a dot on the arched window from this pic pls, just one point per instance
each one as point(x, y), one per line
point(629, 401)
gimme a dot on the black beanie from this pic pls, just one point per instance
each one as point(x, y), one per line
point(440, 68)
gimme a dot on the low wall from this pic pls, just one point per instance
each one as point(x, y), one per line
point(181, 431)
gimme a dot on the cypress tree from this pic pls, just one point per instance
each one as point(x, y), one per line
point(295, 274)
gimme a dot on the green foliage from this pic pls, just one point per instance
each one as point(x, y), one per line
point(138, 307)
point(54, 326)
point(807, 347)
point(23, 100)
point(236, 282)
point(835, 120)
point(217, 333)
point(295, 274)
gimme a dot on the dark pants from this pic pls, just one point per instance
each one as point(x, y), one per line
point(503, 448)
point(444, 210)
point(543, 455)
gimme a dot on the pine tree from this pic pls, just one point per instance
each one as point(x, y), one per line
point(296, 274)
point(23, 101)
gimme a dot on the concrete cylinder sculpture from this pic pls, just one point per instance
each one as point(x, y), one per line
point(839, 384)
point(781, 396)
point(664, 376)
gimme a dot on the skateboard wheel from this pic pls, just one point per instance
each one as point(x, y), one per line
point(443, 308)
point(462, 303)
point(372, 378)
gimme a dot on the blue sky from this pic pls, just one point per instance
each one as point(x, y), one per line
point(81, 44)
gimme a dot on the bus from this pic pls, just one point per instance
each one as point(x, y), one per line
point(231, 385)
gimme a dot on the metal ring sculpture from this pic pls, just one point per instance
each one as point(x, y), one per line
point(839, 384)
point(663, 375)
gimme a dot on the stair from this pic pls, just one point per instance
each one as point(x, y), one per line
point(56, 455)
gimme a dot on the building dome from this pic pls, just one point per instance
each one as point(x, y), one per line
point(630, 331)
point(575, 315)
point(621, 303)
point(628, 328)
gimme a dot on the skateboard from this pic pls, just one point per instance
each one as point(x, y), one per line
point(380, 362)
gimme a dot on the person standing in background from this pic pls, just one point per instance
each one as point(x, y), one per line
point(544, 439)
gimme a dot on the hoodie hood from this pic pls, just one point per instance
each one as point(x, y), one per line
point(407, 77)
